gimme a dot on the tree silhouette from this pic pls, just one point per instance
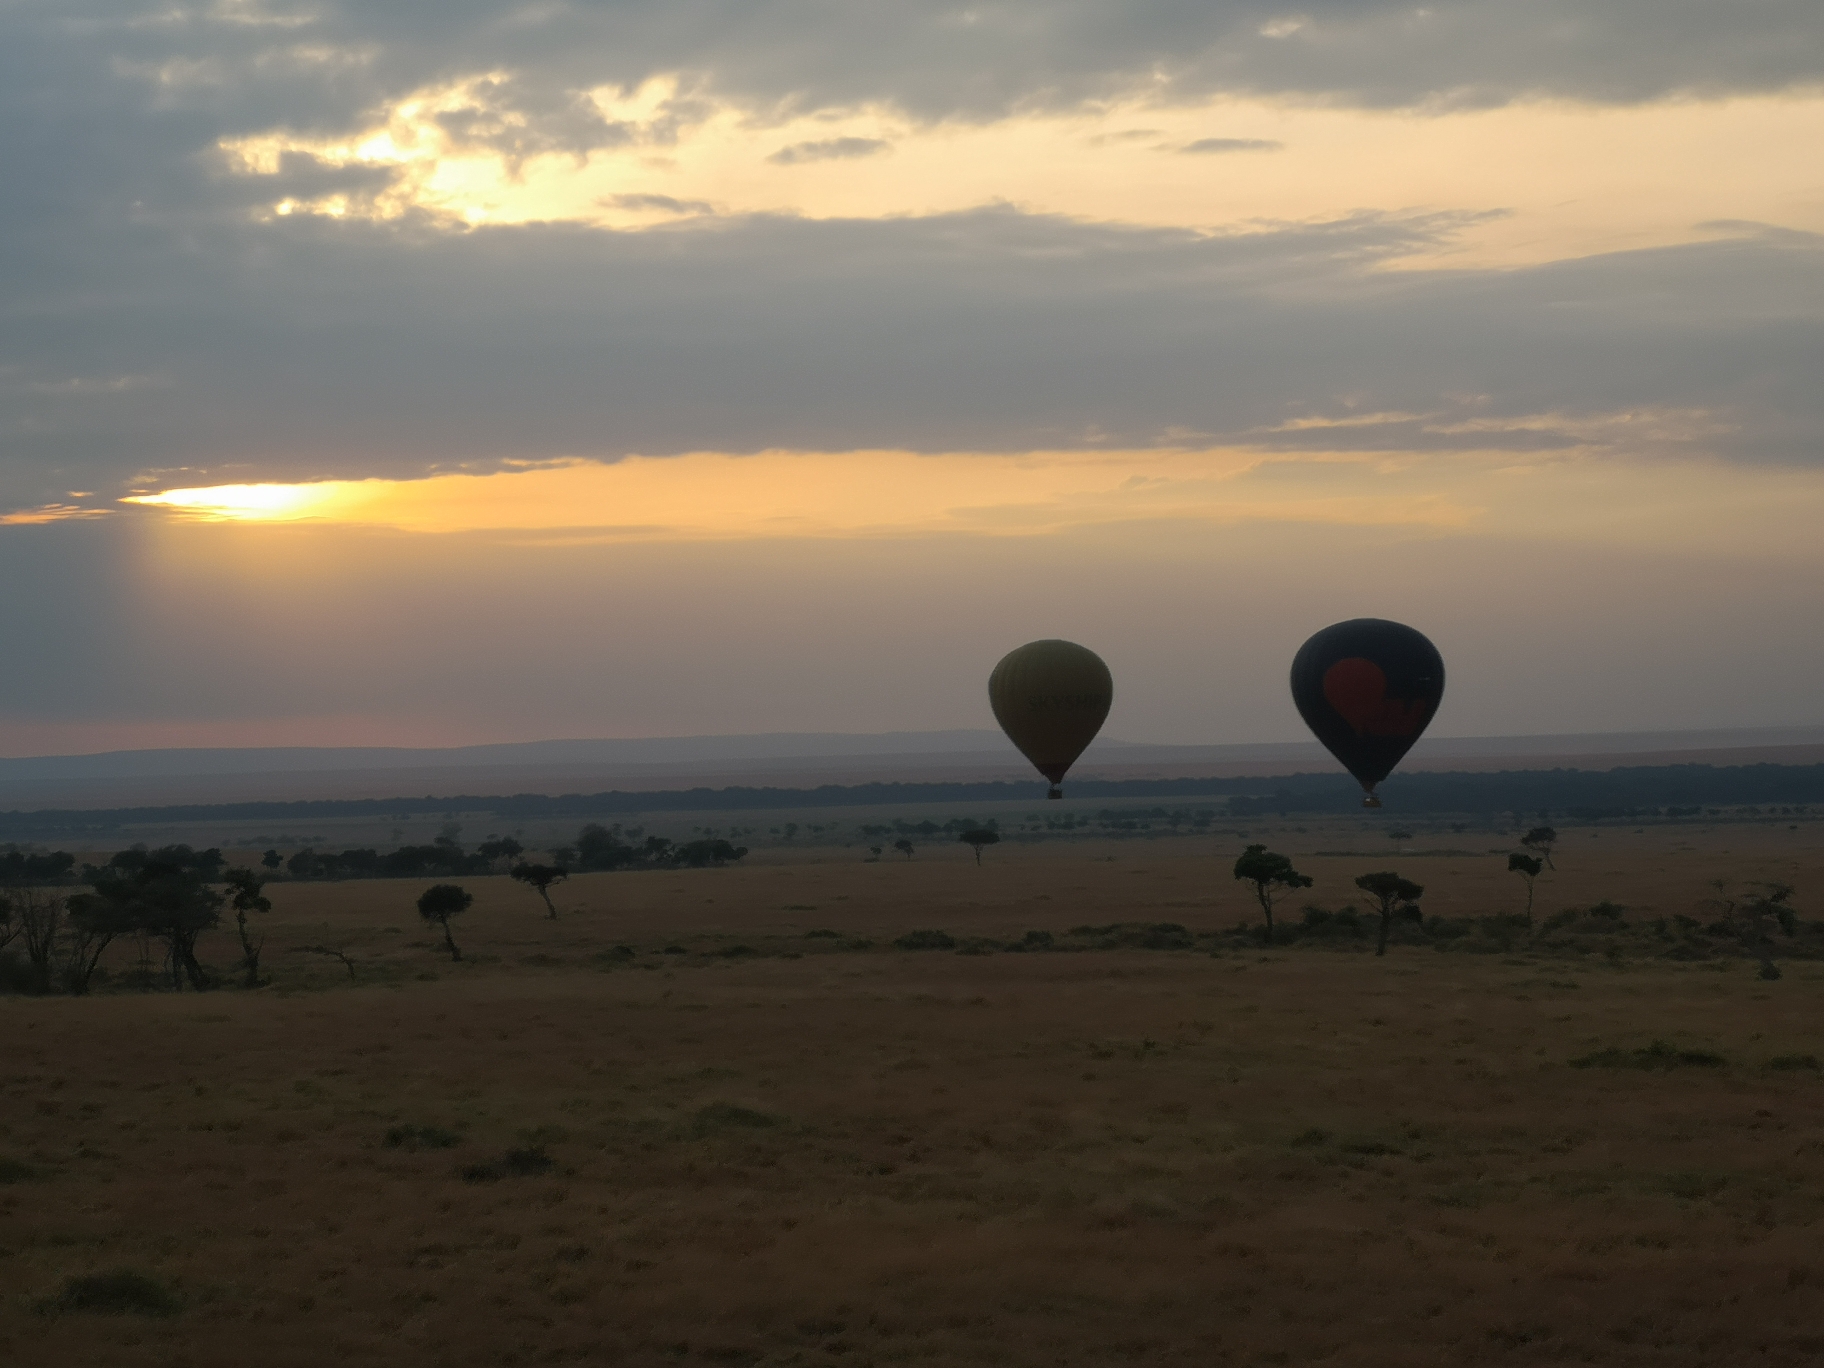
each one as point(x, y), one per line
point(94, 921)
point(1541, 839)
point(505, 848)
point(1394, 894)
point(40, 919)
point(904, 847)
point(1529, 869)
point(1270, 874)
point(272, 859)
point(166, 893)
point(439, 903)
point(979, 837)
point(244, 896)
point(539, 877)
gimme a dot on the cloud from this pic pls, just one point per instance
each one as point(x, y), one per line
point(663, 203)
point(310, 348)
point(830, 149)
point(1232, 145)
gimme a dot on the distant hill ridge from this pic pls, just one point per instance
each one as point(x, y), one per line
point(1579, 795)
point(715, 749)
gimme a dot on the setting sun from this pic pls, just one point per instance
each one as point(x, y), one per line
point(259, 502)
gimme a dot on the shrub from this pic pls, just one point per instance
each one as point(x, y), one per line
point(925, 940)
point(1794, 1061)
point(1658, 1055)
point(527, 1162)
point(718, 1116)
point(421, 1137)
point(121, 1292)
point(12, 1171)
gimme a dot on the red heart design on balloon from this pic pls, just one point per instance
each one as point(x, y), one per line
point(1357, 689)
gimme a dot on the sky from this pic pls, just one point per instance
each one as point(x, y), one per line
point(431, 374)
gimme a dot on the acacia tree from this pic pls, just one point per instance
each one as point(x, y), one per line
point(1394, 895)
point(1529, 869)
point(904, 847)
point(503, 848)
point(539, 877)
point(1541, 839)
point(40, 917)
point(439, 903)
point(1753, 915)
point(979, 837)
point(244, 896)
point(1270, 874)
point(165, 893)
point(94, 921)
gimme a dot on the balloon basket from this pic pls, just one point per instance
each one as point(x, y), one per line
point(1371, 801)
point(1055, 792)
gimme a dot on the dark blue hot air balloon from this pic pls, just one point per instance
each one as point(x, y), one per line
point(1368, 688)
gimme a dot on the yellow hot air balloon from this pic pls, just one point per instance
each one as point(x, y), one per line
point(1051, 698)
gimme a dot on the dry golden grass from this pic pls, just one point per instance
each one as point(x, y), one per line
point(896, 1157)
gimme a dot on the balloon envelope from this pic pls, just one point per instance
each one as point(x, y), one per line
point(1051, 697)
point(1368, 688)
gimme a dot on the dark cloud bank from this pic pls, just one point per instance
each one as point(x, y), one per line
point(147, 322)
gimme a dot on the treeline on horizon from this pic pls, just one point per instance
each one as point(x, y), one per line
point(1581, 795)
point(596, 848)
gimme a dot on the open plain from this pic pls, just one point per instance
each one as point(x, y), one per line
point(721, 1117)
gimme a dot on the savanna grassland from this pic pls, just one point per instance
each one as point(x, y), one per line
point(718, 1117)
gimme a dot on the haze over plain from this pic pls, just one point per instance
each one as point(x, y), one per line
point(499, 372)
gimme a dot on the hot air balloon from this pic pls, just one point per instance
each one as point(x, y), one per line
point(1367, 689)
point(1051, 697)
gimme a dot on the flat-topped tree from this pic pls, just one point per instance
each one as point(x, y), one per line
point(439, 903)
point(977, 838)
point(1271, 875)
point(1394, 895)
point(1541, 839)
point(540, 877)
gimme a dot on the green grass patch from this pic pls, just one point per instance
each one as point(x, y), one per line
point(12, 1171)
point(421, 1137)
point(1658, 1055)
point(1795, 1062)
point(528, 1162)
point(121, 1292)
point(926, 940)
point(726, 1116)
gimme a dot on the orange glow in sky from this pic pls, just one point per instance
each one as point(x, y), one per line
point(1607, 499)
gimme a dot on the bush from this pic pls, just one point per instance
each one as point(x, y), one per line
point(1319, 923)
point(1658, 1055)
point(718, 1116)
point(925, 940)
point(121, 1292)
point(1795, 1061)
point(515, 1163)
point(421, 1137)
point(1137, 936)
